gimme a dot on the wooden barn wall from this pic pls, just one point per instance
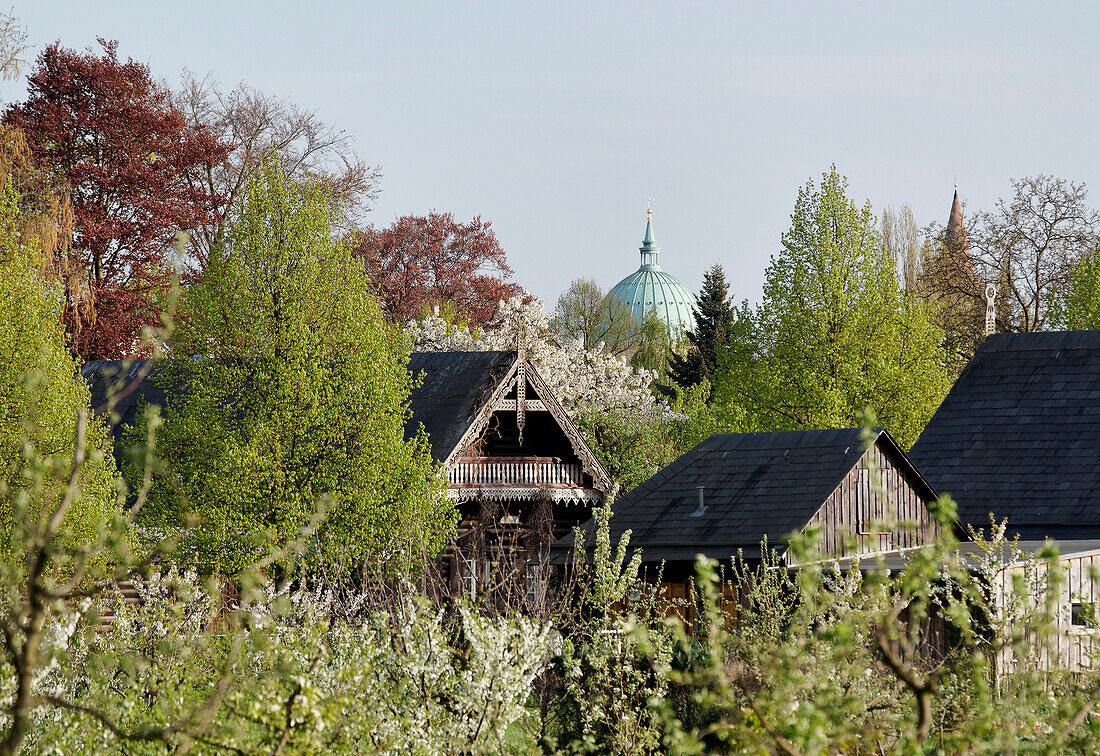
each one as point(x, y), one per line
point(1072, 647)
point(876, 492)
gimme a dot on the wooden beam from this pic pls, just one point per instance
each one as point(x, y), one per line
point(533, 405)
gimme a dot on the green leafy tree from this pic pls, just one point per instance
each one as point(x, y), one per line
point(586, 312)
point(1077, 307)
point(835, 334)
point(41, 395)
point(654, 344)
point(290, 392)
point(714, 320)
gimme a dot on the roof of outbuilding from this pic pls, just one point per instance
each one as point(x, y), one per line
point(1019, 435)
point(756, 485)
point(455, 386)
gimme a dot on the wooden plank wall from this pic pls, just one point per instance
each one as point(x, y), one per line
point(1073, 647)
point(876, 492)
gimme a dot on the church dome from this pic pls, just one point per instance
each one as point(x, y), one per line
point(650, 288)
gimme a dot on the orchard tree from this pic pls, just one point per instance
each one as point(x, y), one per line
point(587, 313)
point(256, 128)
point(292, 394)
point(835, 334)
point(714, 319)
point(422, 261)
point(130, 163)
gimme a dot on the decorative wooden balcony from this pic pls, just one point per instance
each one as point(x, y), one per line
point(509, 472)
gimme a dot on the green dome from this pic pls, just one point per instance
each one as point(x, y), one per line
point(650, 288)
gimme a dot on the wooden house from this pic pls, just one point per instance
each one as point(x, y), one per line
point(731, 492)
point(517, 468)
point(1018, 438)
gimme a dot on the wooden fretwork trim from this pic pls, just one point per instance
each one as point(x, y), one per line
point(531, 405)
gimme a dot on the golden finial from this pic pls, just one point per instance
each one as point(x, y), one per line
point(649, 208)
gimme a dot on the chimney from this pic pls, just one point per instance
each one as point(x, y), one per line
point(702, 508)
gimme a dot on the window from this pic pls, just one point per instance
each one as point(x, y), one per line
point(1082, 614)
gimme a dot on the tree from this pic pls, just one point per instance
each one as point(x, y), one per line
point(1032, 244)
point(714, 319)
point(587, 313)
point(41, 397)
point(951, 288)
point(13, 43)
point(256, 128)
point(655, 343)
point(903, 242)
point(834, 334)
point(1077, 307)
point(130, 164)
point(421, 261)
point(291, 391)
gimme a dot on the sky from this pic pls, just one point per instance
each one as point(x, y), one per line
point(556, 120)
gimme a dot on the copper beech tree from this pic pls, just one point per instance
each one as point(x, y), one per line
point(128, 158)
point(421, 261)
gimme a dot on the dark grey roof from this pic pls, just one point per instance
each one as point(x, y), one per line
point(757, 485)
point(117, 378)
point(1019, 435)
point(455, 385)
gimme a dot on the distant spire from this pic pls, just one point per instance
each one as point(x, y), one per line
point(649, 248)
point(955, 237)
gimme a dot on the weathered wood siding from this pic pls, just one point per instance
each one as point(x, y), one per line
point(1071, 646)
point(877, 507)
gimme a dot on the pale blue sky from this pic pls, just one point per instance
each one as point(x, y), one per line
point(555, 120)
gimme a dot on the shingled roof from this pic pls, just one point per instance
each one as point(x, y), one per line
point(455, 386)
point(757, 485)
point(1019, 435)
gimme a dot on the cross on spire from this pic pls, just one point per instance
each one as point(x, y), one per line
point(649, 208)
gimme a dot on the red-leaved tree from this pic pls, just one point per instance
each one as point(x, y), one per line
point(129, 158)
point(422, 261)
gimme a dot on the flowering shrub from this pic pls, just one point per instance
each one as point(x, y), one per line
point(581, 379)
point(303, 670)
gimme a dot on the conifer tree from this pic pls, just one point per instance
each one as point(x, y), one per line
point(714, 318)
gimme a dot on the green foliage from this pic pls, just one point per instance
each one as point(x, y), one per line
point(289, 390)
point(607, 679)
point(585, 312)
point(714, 322)
point(654, 344)
point(41, 395)
point(834, 334)
point(632, 449)
point(1077, 308)
point(823, 660)
point(303, 671)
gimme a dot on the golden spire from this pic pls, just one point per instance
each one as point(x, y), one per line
point(649, 208)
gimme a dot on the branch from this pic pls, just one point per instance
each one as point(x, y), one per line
point(923, 688)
